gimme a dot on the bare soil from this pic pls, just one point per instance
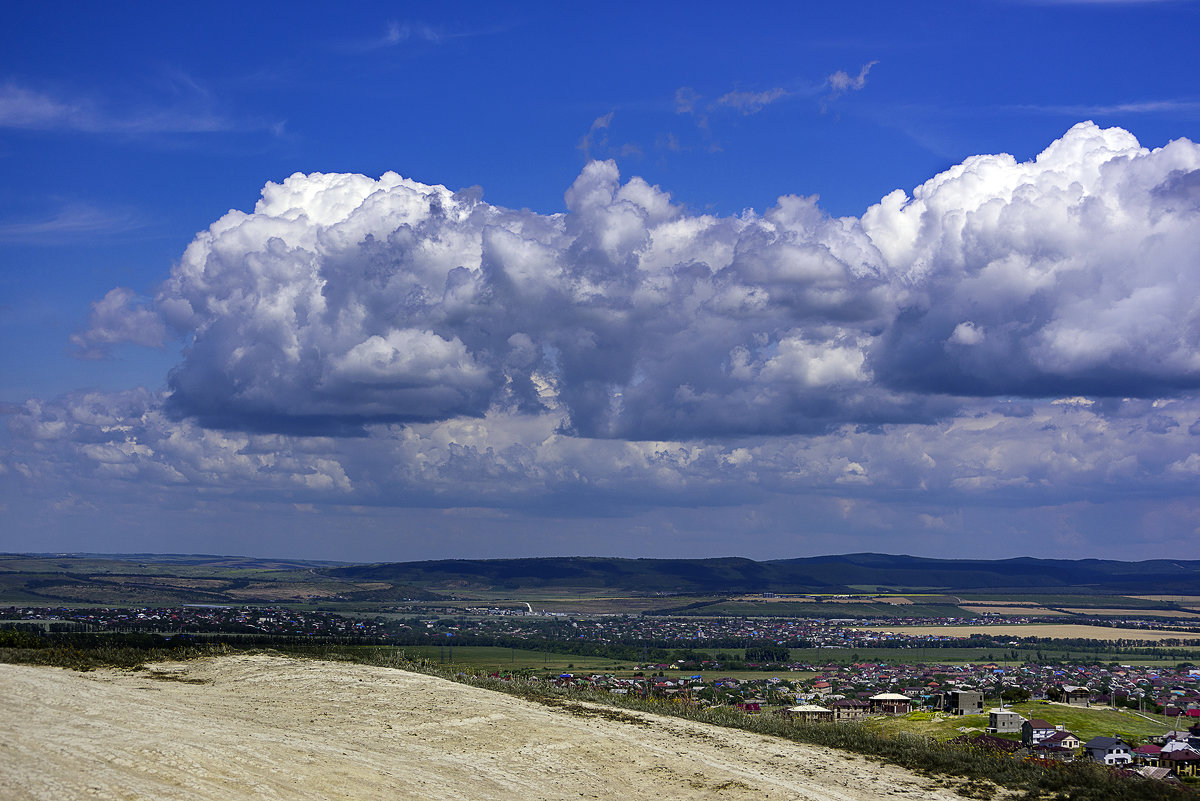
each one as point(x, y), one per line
point(260, 727)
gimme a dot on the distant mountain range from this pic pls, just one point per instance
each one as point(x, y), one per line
point(846, 573)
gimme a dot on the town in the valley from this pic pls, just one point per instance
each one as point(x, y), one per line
point(1137, 711)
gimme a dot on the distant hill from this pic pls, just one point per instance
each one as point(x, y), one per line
point(846, 573)
point(1022, 574)
point(638, 575)
point(174, 579)
point(146, 579)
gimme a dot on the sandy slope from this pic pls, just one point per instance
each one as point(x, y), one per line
point(263, 727)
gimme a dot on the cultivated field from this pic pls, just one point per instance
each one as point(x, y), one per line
point(1083, 722)
point(1053, 630)
point(268, 727)
point(1182, 600)
point(1032, 610)
point(1167, 613)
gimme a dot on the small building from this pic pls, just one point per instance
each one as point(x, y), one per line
point(890, 704)
point(1070, 694)
point(964, 702)
point(1109, 750)
point(1034, 730)
point(809, 713)
point(850, 709)
point(1062, 739)
point(1175, 741)
point(1147, 754)
point(1003, 720)
point(1181, 763)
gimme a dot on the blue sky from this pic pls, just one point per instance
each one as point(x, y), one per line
point(755, 280)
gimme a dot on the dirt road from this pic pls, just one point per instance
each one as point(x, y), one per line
point(259, 727)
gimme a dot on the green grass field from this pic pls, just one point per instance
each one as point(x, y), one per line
point(1075, 601)
point(1088, 722)
point(967, 655)
point(1084, 722)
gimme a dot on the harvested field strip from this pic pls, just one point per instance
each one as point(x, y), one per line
point(1022, 611)
point(1133, 613)
point(1050, 630)
point(975, 602)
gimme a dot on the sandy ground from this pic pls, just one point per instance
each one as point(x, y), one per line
point(258, 727)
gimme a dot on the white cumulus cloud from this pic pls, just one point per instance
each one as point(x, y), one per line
point(120, 316)
point(342, 301)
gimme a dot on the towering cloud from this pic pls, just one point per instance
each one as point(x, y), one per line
point(343, 301)
point(1075, 273)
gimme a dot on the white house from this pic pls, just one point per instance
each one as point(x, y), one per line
point(1109, 750)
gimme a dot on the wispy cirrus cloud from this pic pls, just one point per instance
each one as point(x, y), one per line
point(686, 100)
point(751, 102)
point(690, 103)
point(396, 33)
point(841, 81)
point(747, 102)
point(72, 220)
point(596, 144)
point(597, 135)
point(1176, 106)
point(23, 108)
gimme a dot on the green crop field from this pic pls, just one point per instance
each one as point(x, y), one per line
point(1101, 601)
point(1084, 722)
point(999, 655)
point(1088, 722)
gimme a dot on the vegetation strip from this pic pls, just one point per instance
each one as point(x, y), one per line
point(981, 767)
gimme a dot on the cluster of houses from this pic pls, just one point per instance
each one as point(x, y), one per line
point(194, 618)
point(1175, 755)
point(1171, 691)
point(1171, 757)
